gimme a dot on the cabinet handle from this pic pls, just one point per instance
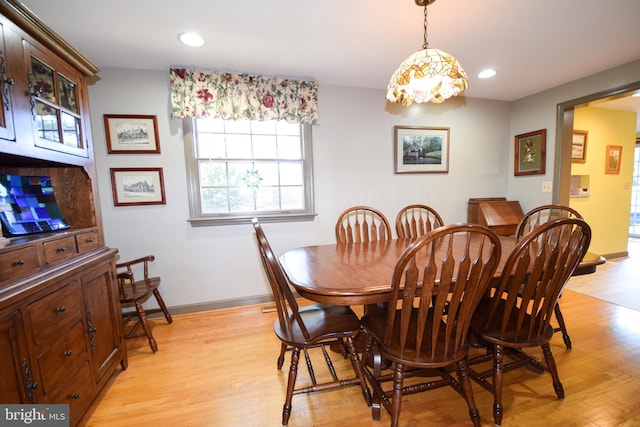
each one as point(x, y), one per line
point(90, 240)
point(67, 353)
point(75, 395)
point(20, 262)
point(62, 249)
point(61, 309)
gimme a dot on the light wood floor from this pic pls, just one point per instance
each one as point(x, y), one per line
point(218, 368)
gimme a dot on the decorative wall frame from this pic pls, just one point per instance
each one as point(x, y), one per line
point(530, 153)
point(131, 134)
point(613, 159)
point(579, 146)
point(421, 149)
point(137, 186)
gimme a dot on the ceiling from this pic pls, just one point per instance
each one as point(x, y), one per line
point(533, 45)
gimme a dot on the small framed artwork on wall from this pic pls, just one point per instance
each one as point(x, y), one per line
point(579, 146)
point(137, 186)
point(421, 149)
point(131, 134)
point(530, 153)
point(613, 158)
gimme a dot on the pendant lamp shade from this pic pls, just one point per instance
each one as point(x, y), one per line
point(429, 75)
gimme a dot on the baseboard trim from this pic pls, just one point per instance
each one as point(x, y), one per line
point(616, 255)
point(217, 305)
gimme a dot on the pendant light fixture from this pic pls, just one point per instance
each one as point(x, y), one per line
point(429, 75)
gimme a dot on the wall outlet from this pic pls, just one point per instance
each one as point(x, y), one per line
point(546, 186)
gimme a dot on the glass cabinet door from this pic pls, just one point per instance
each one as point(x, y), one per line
point(56, 103)
point(6, 110)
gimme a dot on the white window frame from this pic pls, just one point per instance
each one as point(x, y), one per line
point(198, 219)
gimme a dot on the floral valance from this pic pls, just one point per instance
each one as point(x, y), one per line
point(242, 97)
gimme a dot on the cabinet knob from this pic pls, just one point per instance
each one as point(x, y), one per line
point(90, 240)
point(75, 395)
point(62, 249)
point(61, 309)
point(67, 353)
point(20, 262)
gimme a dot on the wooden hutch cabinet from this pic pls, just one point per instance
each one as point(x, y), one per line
point(60, 321)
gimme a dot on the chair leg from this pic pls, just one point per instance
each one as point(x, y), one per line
point(145, 326)
point(463, 377)
point(163, 307)
point(359, 371)
point(283, 350)
point(562, 328)
point(396, 398)
point(291, 383)
point(553, 369)
point(374, 360)
point(498, 353)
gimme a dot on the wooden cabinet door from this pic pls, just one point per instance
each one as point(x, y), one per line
point(102, 318)
point(16, 384)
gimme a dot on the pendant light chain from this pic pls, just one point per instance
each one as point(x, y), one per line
point(426, 42)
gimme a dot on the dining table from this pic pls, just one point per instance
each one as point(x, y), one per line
point(357, 273)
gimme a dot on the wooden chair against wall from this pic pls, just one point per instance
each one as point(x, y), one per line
point(423, 332)
point(534, 218)
point(311, 326)
point(518, 313)
point(134, 292)
point(415, 220)
point(362, 224)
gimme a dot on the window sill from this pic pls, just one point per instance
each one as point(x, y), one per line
point(231, 220)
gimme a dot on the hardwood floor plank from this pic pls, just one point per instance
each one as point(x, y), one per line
point(218, 368)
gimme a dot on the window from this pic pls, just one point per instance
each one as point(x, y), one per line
point(239, 169)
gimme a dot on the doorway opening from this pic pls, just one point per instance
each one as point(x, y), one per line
point(634, 222)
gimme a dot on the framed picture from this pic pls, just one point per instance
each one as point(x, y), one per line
point(612, 159)
point(137, 186)
point(131, 134)
point(530, 153)
point(579, 146)
point(421, 149)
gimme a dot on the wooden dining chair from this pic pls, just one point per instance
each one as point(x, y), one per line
point(134, 292)
point(362, 224)
point(534, 218)
point(518, 313)
point(423, 332)
point(302, 328)
point(415, 220)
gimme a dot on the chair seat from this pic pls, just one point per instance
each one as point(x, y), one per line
point(322, 322)
point(496, 333)
point(134, 291)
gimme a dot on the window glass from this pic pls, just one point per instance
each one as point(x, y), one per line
point(240, 169)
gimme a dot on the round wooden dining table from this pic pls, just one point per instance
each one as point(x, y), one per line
point(352, 273)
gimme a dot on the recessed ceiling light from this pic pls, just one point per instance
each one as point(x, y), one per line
point(191, 39)
point(485, 74)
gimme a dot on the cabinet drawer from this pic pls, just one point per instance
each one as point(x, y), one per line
point(54, 314)
point(18, 262)
point(76, 391)
point(60, 249)
point(87, 241)
point(58, 362)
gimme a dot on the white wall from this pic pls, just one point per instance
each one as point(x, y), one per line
point(353, 164)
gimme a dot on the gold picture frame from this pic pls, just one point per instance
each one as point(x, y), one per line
point(579, 146)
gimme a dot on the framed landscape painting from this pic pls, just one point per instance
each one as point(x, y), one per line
point(421, 149)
